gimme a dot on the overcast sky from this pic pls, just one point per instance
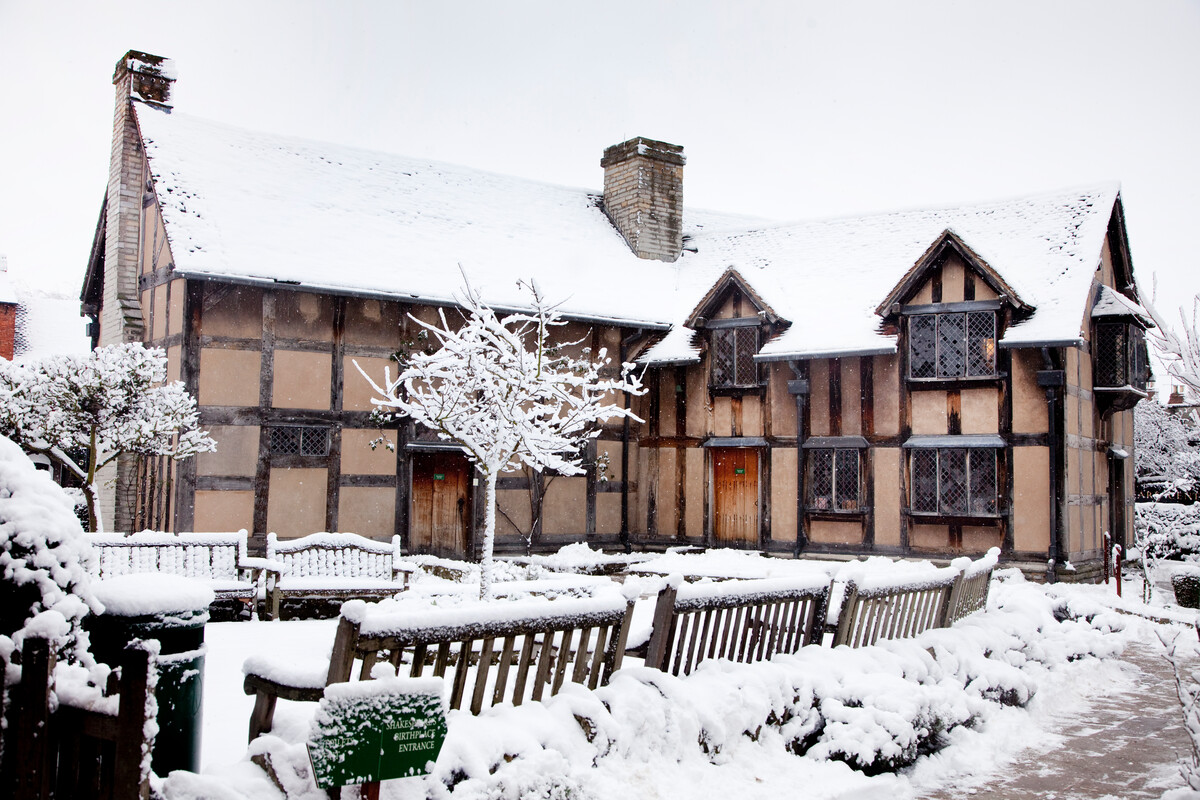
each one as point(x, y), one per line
point(787, 110)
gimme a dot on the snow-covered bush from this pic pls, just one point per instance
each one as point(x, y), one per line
point(1168, 530)
point(507, 394)
point(111, 401)
point(1166, 452)
point(44, 557)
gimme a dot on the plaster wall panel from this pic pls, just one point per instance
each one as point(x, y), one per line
point(608, 513)
point(886, 383)
point(367, 511)
point(923, 296)
point(175, 307)
point(752, 416)
point(1029, 399)
point(783, 494)
point(980, 539)
point(236, 453)
point(296, 503)
point(1031, 504)
point(929, 537)
point(512, 512)
point(851, 396)
point(356, 391)
point(929, 412)
point(359, 459)
point(952, 280)
point(722, 416)
point(223, 512)
point(302, 380)
point(564, 507)
point(887, 495)
point(304, 315)
point(372, 323)
point(174, 353)
point(694, 476)
point(983, 291)
point(668, 505)
point(980, 410)
point(783, 404)
point(233, 311)
point(833, 532)
point(698, 406)
point(818, 378)
point(229, 377)
point(665, 386)
point(159, 329)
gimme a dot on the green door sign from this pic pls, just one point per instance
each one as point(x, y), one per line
point(377, 730)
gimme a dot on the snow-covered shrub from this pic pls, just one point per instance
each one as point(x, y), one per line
point(1166, 452)
point(44, 557)
point(1168, 530)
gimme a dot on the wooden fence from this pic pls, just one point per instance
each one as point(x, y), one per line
point(74, 753)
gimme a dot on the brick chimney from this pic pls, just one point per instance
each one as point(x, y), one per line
point(643, 195)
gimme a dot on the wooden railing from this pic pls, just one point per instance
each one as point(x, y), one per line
point(60, 751)
point(740, 621)
point(521, 658)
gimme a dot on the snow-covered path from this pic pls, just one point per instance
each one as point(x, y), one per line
point(1120, 747)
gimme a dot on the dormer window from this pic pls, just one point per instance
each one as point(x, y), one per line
point(952, 345)
point(1120, 359)
point(732, 348)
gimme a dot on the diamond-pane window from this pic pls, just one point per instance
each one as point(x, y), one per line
point(833, 479)
point(304, 440)
point(733, 351)
point(952, 345)
point(1120, 356)
point(954, 481)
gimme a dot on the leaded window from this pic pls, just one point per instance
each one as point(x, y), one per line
point(733, 351)
point(1120, 356)
point(954, 481)
point(299, 440)
point(952, 345)
point(833, 479)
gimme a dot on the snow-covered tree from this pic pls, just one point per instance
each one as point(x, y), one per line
point(500, 388)
point(1178, 352)
point(111, 401)
point(1167, 451)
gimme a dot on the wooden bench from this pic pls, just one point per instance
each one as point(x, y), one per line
point(333, 566)
point(508, 652)
point(739, 620)
point(901, 608)
point(218, 559)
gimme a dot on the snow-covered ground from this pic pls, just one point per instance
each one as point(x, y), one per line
point(955, 705)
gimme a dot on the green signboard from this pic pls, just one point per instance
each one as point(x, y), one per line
point(739, 471)
point(439, 476)
point(377, 730)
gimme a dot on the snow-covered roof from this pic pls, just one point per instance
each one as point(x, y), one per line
point(48, 323)
point(1111, 303)
point(240, 205)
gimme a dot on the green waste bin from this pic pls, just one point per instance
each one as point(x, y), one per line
point(174, 611)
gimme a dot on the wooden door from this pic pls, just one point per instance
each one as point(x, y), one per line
point(441, 511)
point(735, 496)
point(1116, 502)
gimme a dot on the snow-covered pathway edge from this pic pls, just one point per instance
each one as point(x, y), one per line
point(948, 705)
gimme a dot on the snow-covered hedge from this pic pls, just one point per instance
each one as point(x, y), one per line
point(865, 710)
point(1168, 530)
point(44, 558)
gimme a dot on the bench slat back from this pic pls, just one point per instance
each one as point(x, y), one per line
point(334, 555)
point(748, 621)
point(494, 661)
point(189, 555)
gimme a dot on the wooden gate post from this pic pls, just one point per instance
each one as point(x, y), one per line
point(128, 779)
point(32, 763)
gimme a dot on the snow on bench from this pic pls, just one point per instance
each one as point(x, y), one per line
point(748, 620)
point(219, 560)
point(333, 566)
point(882, 607)
point(514, 651)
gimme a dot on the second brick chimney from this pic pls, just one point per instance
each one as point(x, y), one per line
point(643, 195)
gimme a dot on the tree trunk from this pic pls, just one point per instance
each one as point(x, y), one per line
point(489, 534)
point(89, 489)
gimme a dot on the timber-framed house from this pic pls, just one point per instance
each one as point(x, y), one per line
point(928, 383)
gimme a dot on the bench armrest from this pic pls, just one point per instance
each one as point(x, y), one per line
point(406, 570)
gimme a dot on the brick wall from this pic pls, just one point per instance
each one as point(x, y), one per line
point(8, 330)
point(643, 196)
